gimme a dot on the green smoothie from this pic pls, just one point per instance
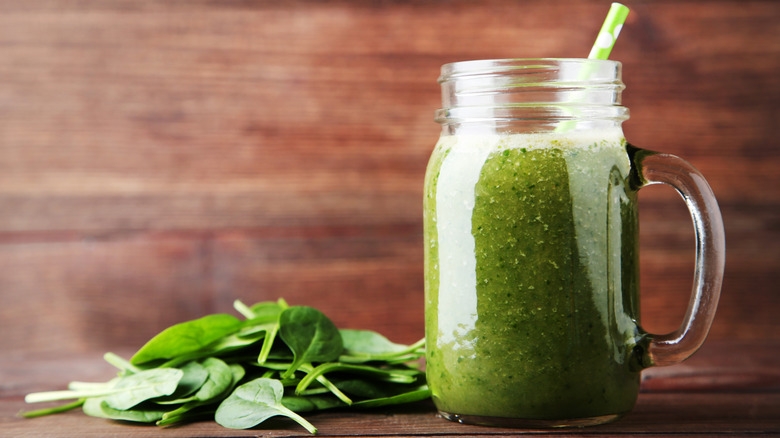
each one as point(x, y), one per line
point(531, 276)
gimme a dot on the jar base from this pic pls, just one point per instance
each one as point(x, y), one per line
point(526, 423)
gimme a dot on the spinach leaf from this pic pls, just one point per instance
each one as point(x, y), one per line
point(378, 373)
point(268, 311)
point(312, 403)
point(194, 377)
point(369, 342)
point(310, 335)
point(254, 402)
point(204, 398)
point(220, 347)
point(238, 374)
point(217, 377)
point(366, 345)
point(194, 370)
point(136, 388)
point(262, 318)
point(324, 382)
point(418, 394)
point(91, 407)
point(187, 337)
point(196, 413)
point(251, 334)
point(97, 407)
point(220, 376)
point(369, 388)
point(139, 414)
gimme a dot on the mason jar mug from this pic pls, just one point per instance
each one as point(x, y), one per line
point(531, 247)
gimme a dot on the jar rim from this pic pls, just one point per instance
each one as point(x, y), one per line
point(520, 92)
point(457, 69)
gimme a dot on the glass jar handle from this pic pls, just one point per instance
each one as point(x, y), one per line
point(654, 168)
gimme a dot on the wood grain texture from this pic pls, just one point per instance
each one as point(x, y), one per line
point(730, 388)
point(159, 159)
point(655, 415)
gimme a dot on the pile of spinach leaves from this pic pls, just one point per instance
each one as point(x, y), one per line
point(279, 360)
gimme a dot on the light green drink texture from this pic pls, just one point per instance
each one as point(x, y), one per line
point(532, 275)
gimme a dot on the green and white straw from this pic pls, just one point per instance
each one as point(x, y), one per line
point(609, 32)
point(605, 41)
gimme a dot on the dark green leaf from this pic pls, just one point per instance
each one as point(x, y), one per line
point(97, 407)
point(136, 388)
point(369, 342)
point(418, 394)
point(310, 335)
point(218, 377)
point(369, 388)
point(312, 403)
point(254, 402)
point(168, 371)
point(187, 337)
point(366, 345)
point(194, 377)
point(389, 375)
point(268, 311)
point(187, 410)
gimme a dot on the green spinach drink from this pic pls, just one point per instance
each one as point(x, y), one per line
point(524, 304)
point(531, 247)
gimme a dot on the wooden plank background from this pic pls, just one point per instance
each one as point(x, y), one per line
point(159, 159)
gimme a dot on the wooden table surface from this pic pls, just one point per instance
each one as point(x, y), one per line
point(727, 388)
point(161, 158)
